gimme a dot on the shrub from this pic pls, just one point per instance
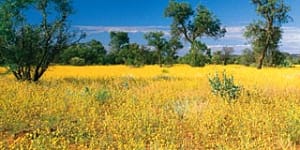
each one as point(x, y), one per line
point(286, 64)
point(225, 87)
point(76, 61)
point(103, 96)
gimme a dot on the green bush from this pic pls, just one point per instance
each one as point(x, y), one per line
point(77, 61)
point(224, 87)
point(286, 64)
point(196, 60)
point(103, 96)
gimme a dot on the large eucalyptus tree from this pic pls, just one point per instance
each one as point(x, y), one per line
point(32, 33)
point(266, 33)
point(193, 25)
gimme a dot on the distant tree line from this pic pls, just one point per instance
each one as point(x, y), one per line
point(160, 51)
point(27, 49)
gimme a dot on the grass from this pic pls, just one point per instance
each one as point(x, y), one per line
point(119, 107)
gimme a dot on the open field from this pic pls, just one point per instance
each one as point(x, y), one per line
point(119, 107)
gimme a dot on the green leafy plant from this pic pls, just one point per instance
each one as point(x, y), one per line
point(77, 61)
point(103, 96)
point(224, 87)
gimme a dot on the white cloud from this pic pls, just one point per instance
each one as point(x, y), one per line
point(235, 32)
point(130, 29)
point(291, 38)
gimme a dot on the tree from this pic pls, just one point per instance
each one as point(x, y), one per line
point(92, 52)
point(222, 56)
point(217, 57)
point(266, 33)
point(171, 52)
point(1, 59)
point(150, 57)
point(281, 59)
point(160, 44)
point(118, 40)
point(247, 57)
point(227, 52)
point(29, 48)
point(193, 25)
point(133, 55)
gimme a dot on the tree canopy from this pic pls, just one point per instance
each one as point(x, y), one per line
point(193, 25)
point(28, 48)
point(157, 40)
point(92, 52)
point(266, 33)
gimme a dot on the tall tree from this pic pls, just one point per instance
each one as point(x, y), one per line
point(266, 33)
point(227, 52)
point(133, 55)
point(118, 41)
point(95, 52)
point(222, 56)
point(193, 25)
point(92, 52)
point(29, 48)
point(174, 45)
point(160, 44)
point(247, 57)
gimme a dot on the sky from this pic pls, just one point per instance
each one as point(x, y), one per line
point(98, 17)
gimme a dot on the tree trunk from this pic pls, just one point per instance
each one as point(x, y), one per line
point(159, 58)
point(225, 62)
point(261, 58)
point(194, 55)
point(260, 63)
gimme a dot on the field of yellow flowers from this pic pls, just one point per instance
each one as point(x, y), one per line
point(120, 107)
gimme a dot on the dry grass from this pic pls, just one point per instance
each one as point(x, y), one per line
point(119, 107)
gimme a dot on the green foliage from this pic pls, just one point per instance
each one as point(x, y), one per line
point(165, 50)
point(148, 55)
point(1, 59)
point(247, 57)
point(223, 56)
point(224, 87)
point(198, 60)
point(193, 25)
point(77, 61)
point(266, 33)
point(93, 52)
point(160, 44)
point(29, 48)
point(280, 59)
point(118, 41)
point(103, 96)
point(171, 52)
point(133, 55)
point(286, 64)
point(217, 57)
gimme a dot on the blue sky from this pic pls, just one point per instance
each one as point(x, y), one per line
point(99, 17)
